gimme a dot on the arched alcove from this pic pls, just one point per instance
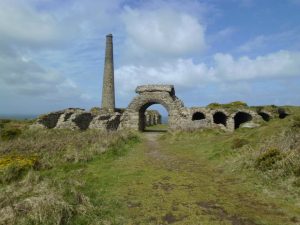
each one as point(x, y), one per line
point(265, 116)
point(220, 118)
point(198, 116)
point(282, 113)
point(241, 117)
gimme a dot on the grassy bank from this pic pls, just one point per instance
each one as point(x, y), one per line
point(41, 171)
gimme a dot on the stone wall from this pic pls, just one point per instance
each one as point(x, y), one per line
point(137, 117)
point(78, 119)
point(152, 117)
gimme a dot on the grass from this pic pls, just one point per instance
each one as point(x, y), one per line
point(251, 176)
point(40, 176)
point(157, 128)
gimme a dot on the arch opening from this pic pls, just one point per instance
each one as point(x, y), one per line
point(198, 116)
point(153, 117)
point(241, 117)
point(220, 118)
point(282, 113)
point(264, 116)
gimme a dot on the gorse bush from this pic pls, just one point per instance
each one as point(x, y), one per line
point(13, 167)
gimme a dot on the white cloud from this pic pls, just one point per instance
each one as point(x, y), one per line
point(22, 25)
point(26, 32)
point(163, 31)
point(275, 65)
point(25, 77)
point(186, 74)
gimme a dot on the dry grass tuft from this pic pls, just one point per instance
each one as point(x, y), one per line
point(27, 197)
point(59, 146)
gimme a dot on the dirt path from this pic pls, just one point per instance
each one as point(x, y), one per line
point(170, 181)
point(153, 148)
point(198, 187)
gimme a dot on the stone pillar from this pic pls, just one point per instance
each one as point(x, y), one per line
point(108, 90)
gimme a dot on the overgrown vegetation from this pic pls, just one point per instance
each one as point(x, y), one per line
point(231, 105)
point(33, 162)
point(268, 159)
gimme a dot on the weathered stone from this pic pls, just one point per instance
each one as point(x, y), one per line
point(82, 120)
point(106, 122)
point(133, 117)
point(66, 119)
point(249, 125)
point(155, 88)
point(51, 120)
point(108, 89)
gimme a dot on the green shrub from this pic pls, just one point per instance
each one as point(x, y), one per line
point(267, 159)
point(239, 142)
point(10, 133)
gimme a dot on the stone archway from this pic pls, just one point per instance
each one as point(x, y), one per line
point(147, 96)
point(142, 119)
point(241, 117)
point(220, 117)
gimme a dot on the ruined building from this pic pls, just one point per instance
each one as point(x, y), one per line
point(136, 117)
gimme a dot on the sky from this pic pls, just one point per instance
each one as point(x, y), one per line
point(52, 51)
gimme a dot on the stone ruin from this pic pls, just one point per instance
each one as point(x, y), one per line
point(79, 119)
point(137, 117)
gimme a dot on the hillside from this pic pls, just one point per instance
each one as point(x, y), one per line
point(251, 176)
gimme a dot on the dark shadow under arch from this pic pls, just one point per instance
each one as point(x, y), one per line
point(220, 118)
point(241, 117)
point(198, 116)
point(282, 113)
point(265, 116)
